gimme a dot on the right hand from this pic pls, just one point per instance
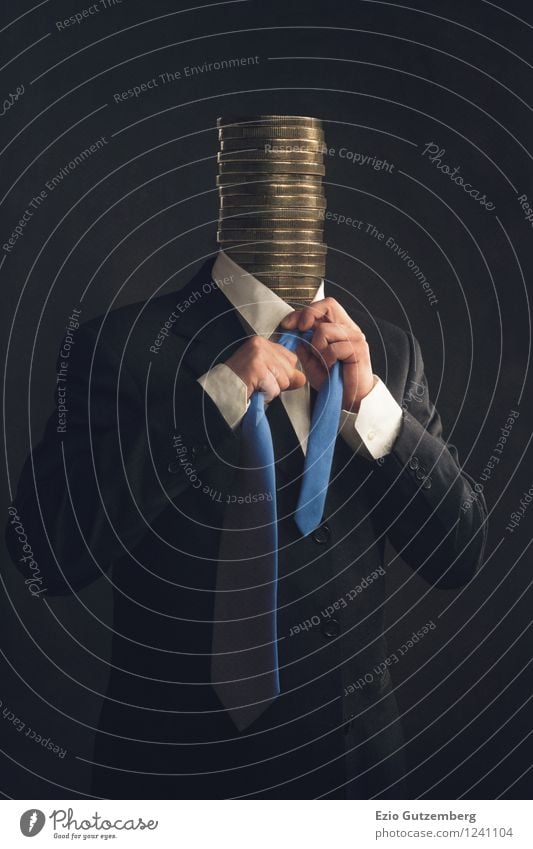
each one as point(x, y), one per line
point(266, 367)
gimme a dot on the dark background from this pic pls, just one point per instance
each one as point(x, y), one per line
point(139, 216)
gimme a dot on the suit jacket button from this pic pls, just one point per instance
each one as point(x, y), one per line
point(331, 628)
point(420, 475)
point(322, 534)
point(174, 467)
point(427, 483)
point(348, 725)
point(199, 449)
point(413, 463)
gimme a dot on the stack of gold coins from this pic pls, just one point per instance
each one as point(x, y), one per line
point(272, 202)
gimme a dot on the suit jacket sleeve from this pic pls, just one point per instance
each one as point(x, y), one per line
point(424, 501)
point(88, 495)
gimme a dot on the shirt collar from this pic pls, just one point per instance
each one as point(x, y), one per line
point(258, 305)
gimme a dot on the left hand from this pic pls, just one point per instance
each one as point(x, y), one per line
point(335, 337)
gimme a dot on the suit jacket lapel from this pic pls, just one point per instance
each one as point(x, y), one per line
point(214, 331)
point(209, 322)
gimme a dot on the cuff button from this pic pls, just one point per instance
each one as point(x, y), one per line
point(199, 449)
point(331, 628)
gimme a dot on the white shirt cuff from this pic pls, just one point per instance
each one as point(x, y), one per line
point(227, 391)
point(374, 429)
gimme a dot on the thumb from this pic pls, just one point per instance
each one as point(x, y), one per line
point(291, 320)
point(298, 379)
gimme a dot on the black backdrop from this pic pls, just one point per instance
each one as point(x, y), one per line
point(138, 215)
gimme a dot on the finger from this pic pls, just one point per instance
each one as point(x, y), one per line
point(289, 356)
point(313, 351)
point(340, 351)
point(326, 310)
point(297, 379)
point(291, 320)
point(282, 375)
point(269, 386)
point(326, 333)
point(312, 365)
point(280, 361)
point(285, 376)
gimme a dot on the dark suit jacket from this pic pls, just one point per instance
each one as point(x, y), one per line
point(125, 497)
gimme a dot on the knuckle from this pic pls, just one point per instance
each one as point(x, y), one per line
point(256, 343)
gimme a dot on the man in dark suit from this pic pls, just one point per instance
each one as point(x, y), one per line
point(135, 486)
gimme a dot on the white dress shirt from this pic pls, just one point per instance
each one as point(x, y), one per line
point(371, 431)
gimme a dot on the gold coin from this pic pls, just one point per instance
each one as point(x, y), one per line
point(313, 269)
point(272, 190)
point(267, 156)
point(258, 179)
point(291, 280)
point(271, 248)
point(270, 203)
point(270, 120)
point(267, 133)
point(299, 296)
point(273, 145)
point(271, 167)
point(273, 181)
point(241, 234)
point(274, 259)
point(276, 256)
point(281, 218)
point(267, 246)
point(264, 215)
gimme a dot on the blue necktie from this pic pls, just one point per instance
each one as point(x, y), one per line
point(244, 665)
point(320, 445)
